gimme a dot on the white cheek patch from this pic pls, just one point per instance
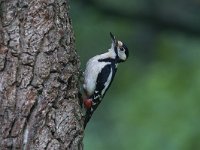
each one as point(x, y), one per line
point(122, 55)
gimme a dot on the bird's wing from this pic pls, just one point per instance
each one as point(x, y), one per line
point(103, 82)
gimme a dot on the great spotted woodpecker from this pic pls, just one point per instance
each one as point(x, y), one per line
point(99, 73)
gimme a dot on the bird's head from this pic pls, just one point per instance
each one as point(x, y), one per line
point(119, 48)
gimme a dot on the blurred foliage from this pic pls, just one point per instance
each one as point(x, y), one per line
point(154, 100)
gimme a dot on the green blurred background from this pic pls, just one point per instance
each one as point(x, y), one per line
point(154, 101)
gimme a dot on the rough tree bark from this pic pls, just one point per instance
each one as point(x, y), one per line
point(39, 71)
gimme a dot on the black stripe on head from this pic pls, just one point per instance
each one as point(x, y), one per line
point(126, 50)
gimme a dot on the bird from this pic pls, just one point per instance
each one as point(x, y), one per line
point(99, 73)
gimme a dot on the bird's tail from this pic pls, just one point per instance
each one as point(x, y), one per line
point(90, 111)
point(87, 117)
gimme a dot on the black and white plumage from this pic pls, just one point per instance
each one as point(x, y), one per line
point(99, 73)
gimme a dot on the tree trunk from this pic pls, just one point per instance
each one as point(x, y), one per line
point(39, 71)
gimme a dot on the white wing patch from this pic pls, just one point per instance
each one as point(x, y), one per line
point(107, 83)
point(93, 68)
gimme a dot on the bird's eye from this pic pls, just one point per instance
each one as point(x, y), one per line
point(121, 48)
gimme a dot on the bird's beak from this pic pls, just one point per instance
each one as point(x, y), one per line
point(114, 41)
